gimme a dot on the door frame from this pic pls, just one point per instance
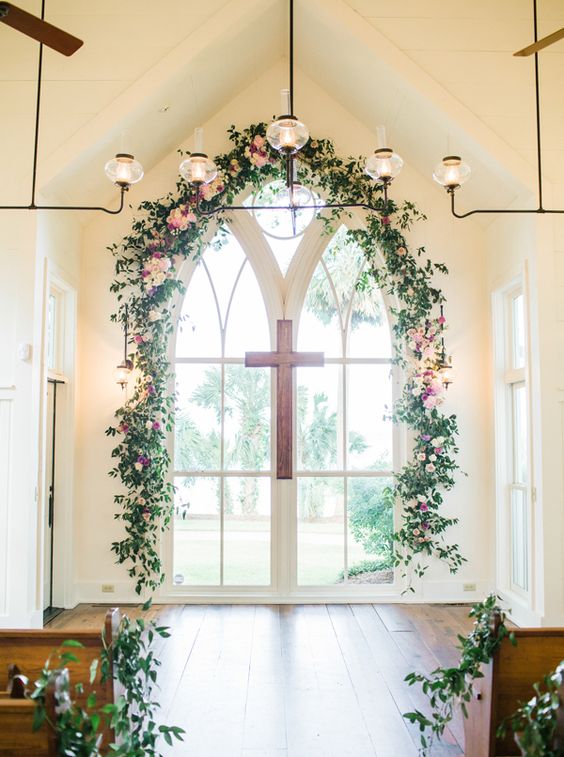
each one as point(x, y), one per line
point(55, 280)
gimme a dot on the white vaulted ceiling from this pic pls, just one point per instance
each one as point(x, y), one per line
point(440, 75)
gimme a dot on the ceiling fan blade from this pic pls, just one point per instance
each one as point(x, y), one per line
point(34, 27)
point(544, 42)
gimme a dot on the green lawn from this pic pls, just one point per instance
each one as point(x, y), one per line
point(247, 552)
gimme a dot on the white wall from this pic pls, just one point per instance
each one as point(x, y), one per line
point(529, 245)
point(459, 244)
point(26, 243)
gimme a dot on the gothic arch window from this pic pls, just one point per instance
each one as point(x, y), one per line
point(237, 529)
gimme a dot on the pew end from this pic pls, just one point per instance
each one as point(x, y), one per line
point(508, 681)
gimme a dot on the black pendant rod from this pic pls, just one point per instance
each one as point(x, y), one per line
point(32, 205)
point(291, 54)
point(126, 332)
point(541, 208)
point(537, 106)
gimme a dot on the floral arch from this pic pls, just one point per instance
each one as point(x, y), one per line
point(167, 231)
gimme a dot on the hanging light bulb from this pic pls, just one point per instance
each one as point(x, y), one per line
point(287, 135)
point(445, 371)
point(198, 169)
point(124, 170)
point(384, 165)
point(452, 172)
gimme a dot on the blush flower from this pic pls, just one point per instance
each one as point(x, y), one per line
point(180, 218)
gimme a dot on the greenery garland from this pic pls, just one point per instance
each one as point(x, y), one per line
point(448, 688)
point(165, 232)
point(132, 717)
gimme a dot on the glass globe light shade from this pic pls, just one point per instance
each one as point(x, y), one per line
point(198, 169)
point(452, 172)
point(123, 372)
point(384, 165)
point(124, 170)
point(287, 135)
point(279, 224)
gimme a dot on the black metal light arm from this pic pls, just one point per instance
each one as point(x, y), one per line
point(452, 192)
point(224, 208)
point(540, 209)
point(33, 205)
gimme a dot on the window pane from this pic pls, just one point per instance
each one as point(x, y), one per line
point(247, 324)
point(198, 428)
point(247, 418)
point(319, 418)
point(370, 526)
point(321, 543)
point(519, 538)
point(370, 438)
point(369, 333)
point(520, 465)
point(224, 259)
point(320, 324)
point(198, 333)
point(247, 531)
point(51, 331)
point(197, 531)
point(518, 320)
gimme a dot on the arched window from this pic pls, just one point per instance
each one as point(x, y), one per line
point(222, 455)
point(237, 528)
point(344, 441)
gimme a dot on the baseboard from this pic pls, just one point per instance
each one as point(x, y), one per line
point(452, 591)
point(90, 592)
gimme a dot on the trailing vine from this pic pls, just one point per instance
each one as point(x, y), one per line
point(449, 688)
point(132, 717)
point(165, 232)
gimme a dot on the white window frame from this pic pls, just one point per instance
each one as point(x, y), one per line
point(507, 379)
point(284, 297)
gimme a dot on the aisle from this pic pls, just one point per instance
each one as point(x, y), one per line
point(297, 680)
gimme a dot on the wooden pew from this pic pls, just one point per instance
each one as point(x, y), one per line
point(29, 650)
point(508, 682)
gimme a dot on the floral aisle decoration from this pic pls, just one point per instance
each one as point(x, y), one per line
point(165, 232)
point(133, 717)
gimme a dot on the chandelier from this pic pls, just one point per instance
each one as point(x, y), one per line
point(287, 135)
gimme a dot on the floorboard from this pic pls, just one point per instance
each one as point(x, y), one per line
point(296, 680)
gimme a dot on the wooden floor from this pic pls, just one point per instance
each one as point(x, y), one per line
point(297, 681)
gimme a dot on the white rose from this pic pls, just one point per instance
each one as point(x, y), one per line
point(432, 458)
point(154, 315)
point(149, 425)
point(138, 466)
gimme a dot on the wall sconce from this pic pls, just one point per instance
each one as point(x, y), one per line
point(124, 369)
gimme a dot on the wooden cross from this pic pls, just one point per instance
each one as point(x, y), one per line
point(284, 360)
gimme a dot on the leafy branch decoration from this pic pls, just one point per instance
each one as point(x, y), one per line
point(167, 231)
point(450, 688)
point(80, 729)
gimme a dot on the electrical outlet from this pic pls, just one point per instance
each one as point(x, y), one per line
point(108, 588)
point(468, 587)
